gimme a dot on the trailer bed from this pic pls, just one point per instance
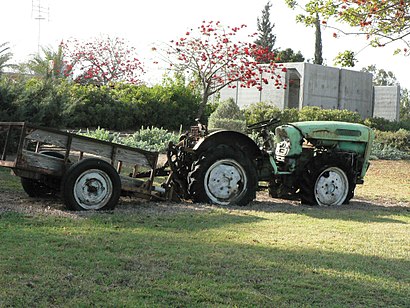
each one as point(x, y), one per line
point(39, 153)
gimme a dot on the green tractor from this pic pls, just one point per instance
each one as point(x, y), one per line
point(316, 162)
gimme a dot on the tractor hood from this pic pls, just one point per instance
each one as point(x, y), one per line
point(333, 130)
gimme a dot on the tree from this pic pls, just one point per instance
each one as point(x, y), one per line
point(381, 22)
point(266, 39)
point(101, 61)
point(318, 42)
point(405, 105)
point(216, 60)
point(5, 56)
point(312, 19)
point(288, 55)
point(49, 64)
point(380, 76)
point(346, 59)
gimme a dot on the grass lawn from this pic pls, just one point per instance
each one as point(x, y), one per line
point(386, 180)
point(151, 254)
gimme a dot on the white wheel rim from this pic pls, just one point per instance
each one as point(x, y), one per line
point(225, 181)
point(331, 187)
point(93, 189)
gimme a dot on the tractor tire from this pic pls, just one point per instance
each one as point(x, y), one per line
point(223, 175)
point(40, 189)
point(328, 180)
point(91, 184)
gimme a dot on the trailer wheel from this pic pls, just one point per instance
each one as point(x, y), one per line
point(35, 188)
point(40, 189)
point(223, 176)
point(327, 181)
point(91, 184)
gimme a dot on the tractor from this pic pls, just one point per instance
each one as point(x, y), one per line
point(316, 162)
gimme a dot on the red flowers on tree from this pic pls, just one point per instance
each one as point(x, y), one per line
point(102, 61)
point(213, 56)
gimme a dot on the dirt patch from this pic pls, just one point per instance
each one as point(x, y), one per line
point(19, 202)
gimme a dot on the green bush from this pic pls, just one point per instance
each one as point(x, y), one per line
point(55, 103)
point(101, 134)
point(383, 124)
point(229, 124)
point(9, 90)
point(289, 115)
point(380, 151)
point(149, 139)
point(261, 111)
point(399, 139)
point(227, 116)
point(319, 114)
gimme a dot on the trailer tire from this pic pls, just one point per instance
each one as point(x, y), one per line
point(35, 188)
point(91, 184)
point(40, 189)
point(223, 175)
point(328, 180)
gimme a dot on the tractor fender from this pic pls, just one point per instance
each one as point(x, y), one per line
point(230, 138)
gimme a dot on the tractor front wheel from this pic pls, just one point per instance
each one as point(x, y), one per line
point(327, 181)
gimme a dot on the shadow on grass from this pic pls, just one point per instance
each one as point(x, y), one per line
point(114, 264)
point(357, 210)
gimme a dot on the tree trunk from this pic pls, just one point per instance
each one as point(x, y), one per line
point(318, 42)
point(202, 106)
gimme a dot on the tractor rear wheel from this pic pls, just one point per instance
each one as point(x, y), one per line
point(223, 175)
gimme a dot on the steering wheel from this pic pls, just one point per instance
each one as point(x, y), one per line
point(263, 124)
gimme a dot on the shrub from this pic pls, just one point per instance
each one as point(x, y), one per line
point(264, 111)
point(260, 112)
point(229, 124)
point(383, 124)
point(9, 91)
point(289, 115)
point(149, 139)
point(319, 114)
point(399, 140)
point(227, 116)
point(40, 103)
point(380, 151)
point(101, 134)
point(55, 103)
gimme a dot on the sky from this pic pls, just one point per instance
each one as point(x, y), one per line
point(149, 23)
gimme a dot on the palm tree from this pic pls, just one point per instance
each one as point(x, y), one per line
point(48, 65)
point(5, 56)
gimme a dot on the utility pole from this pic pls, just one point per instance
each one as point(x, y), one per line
point(39, 13)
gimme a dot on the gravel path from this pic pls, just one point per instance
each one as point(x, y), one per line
point(19, 202)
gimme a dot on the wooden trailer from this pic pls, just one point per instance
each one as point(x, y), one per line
point(88, 174)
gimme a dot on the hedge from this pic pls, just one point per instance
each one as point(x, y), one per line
point(121, 107)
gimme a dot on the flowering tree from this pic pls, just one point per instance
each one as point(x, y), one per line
point(101, 61)
point(217, 60)
point(380, 21)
